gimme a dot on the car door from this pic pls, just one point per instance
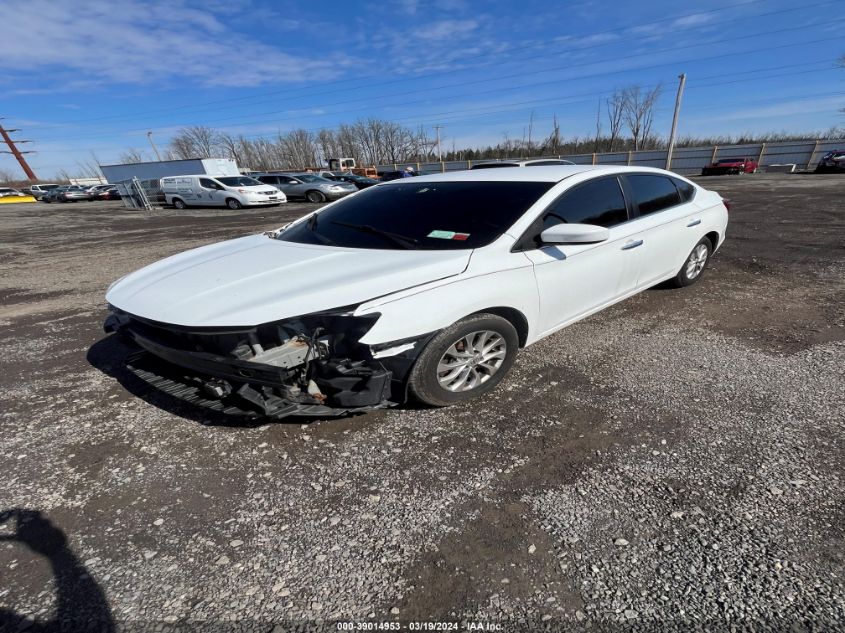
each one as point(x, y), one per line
point(211, 193)
point(667, 220)
point(575, 280)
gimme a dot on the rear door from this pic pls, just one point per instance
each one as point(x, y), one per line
point(667, 221)
point(575, 280)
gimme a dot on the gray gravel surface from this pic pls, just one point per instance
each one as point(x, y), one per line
point(672, 463)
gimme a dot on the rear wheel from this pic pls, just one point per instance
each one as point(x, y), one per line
point(233, 204)
point(466, 360)
point(315, 196)
point(179, 203)
point(694, 265)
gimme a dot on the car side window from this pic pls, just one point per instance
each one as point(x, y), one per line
point(598, 202)
point(686, 190)
point(208, 184)
point(653, 193)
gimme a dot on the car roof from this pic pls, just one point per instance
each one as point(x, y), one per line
point(550, 173)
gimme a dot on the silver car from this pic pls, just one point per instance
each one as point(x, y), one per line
point(309, 186)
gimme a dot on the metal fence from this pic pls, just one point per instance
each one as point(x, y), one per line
point(685, 160)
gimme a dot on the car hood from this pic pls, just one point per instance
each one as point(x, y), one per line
point(257, 279)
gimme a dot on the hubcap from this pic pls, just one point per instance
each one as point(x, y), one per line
point(697, 261)
point(471, 361)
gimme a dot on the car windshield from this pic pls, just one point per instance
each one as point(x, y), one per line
point(311, 178)
point(238, 181)
point(420, 215)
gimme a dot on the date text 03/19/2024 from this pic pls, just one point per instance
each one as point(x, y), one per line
point(419, 626)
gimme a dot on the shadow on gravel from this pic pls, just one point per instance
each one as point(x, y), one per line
point(109, 354)
point(80, 602)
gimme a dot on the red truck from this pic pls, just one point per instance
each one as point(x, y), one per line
point(740, 165)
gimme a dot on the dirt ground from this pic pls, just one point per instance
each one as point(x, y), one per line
point(672, 463)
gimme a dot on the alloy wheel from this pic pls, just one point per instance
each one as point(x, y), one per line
point(697, 260)
point(471, 360)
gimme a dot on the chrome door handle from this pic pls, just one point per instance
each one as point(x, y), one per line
point(694, 223)
point(631, 245)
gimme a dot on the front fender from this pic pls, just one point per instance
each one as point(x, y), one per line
point(414, 313)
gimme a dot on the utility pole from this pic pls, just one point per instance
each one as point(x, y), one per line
point(17, 153)
point(153, 145)
point(439, 153)
point(678, 98)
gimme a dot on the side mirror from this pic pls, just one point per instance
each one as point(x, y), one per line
point(574, 234)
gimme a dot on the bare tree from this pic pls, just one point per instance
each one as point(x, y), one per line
point(615, 109)
point(554, 141)
point(131, 155)
point(639, 112)
point(6, 176)
point(196, 141)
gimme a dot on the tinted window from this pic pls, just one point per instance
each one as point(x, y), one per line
point(653, 193)
point(421, 215)
point(269, 180)
point(541, 163)
point(597, 202)
point(493, 165)
point(239, 181)
point(208, 184)
point(686, 190)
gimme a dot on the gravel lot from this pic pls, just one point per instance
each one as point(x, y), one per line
point(672, 463)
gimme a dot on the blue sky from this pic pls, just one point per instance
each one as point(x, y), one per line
point(96, 75)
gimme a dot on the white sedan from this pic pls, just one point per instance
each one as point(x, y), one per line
point(423, 287)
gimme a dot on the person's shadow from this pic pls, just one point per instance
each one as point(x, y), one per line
point(81, 604)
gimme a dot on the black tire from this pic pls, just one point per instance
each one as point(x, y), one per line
point(179, 203)
point(233, 204)
point(689, 274)
point(424, 382)
point(315, 196)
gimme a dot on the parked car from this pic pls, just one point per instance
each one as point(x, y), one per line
point(94, 192)
point(425, 287)
point(730, 166)
point(234, 192)
point(537, 162)
point(109, 194)
point(387, 176)
point(8, 192)
point(308, 186)
point(74, 193)
point(831, 162)
point(39, 190)
point(52, 195)
point(360, 182)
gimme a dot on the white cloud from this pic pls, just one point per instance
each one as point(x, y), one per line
point(145, 42)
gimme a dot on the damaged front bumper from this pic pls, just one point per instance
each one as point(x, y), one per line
point(311, 365)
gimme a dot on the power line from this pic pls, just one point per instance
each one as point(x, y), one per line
point(731, 54)
point(462, 57)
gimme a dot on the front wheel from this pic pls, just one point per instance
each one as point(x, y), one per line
point(315, 196)
point(233, 204)
point(464, 361)
point(179, 203)
point(694, 265)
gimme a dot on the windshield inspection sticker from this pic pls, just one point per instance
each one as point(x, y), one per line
point(449, 235)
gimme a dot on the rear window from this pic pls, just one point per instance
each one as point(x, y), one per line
point(420, 215)
point(653, 193)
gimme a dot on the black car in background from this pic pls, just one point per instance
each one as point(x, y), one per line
point(362, 182)
point(832, 162)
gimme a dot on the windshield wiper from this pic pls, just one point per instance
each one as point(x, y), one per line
point(402, 240)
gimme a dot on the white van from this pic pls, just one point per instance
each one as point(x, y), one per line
point(219, 191)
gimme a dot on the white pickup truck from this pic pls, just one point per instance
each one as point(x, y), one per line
point(39, 190)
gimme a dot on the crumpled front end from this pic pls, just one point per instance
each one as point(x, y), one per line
point(308, 365)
